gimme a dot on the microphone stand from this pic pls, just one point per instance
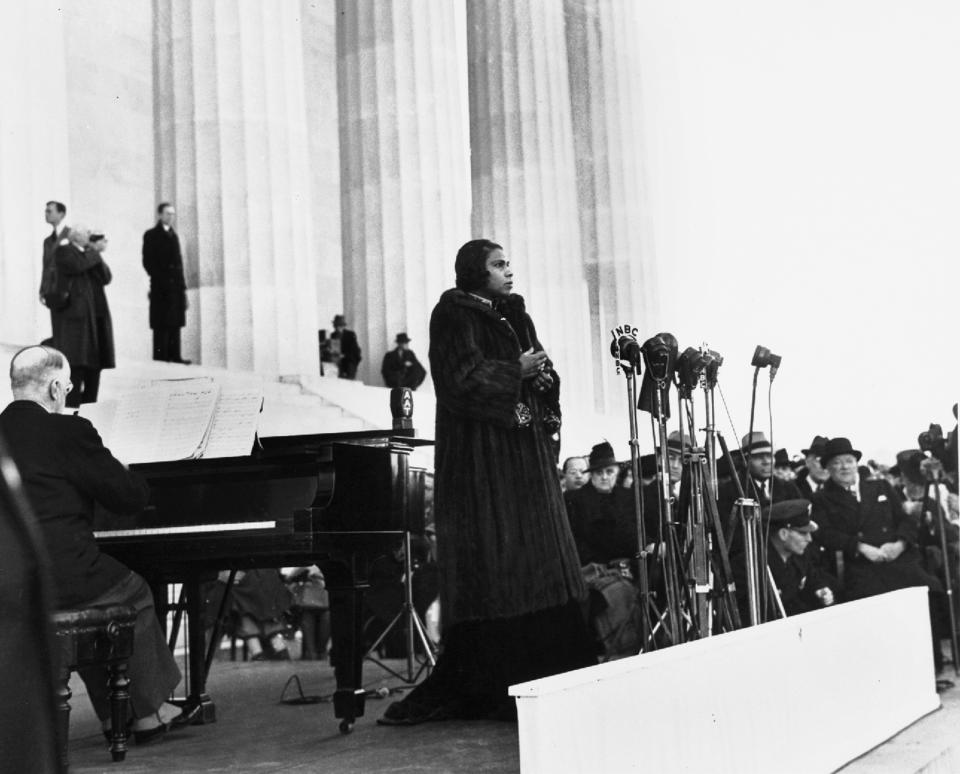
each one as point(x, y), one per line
point(933, 482)
point(646, 601)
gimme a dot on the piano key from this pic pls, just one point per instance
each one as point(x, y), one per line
point(185, 529)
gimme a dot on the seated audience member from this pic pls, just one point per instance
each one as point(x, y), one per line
point(803, 586)
point(604, 528)
point(573, 474)
point(311, 605)
point(761, 485)
point(920, 503)
point(783, 467)
point(865, 520)
point(258, 601)
point(66, 471)
point(813, 476)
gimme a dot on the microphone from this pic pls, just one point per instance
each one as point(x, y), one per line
point(774, 365)
point(625, 346)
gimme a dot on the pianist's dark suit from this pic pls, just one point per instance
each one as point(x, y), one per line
point(66, 469)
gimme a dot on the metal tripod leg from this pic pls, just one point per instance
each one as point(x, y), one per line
point(415, 627)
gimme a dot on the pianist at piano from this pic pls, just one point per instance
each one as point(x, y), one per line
point(66, 469)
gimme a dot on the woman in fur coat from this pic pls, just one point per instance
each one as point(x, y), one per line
point(510, 576)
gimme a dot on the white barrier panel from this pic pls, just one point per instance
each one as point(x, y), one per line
point(806, 694)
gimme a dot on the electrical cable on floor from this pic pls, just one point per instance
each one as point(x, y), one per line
point(383, 692)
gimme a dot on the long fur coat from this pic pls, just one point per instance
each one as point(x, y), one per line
point(502, 533)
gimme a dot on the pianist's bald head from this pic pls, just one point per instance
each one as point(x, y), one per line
point(33, 369)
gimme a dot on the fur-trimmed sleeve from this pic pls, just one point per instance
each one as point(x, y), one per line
point(468, 381)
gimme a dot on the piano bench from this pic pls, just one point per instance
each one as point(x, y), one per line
point(95, 636)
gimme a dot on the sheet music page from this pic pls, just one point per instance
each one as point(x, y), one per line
point(165, 422)
point(234, 426)
point(186, 420)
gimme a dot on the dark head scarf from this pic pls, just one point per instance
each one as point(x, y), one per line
point(471, 264)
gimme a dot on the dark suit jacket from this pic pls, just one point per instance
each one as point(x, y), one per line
point(402, 369)
point(48, 279)
point(349, 347)
point(168, 288)
point(66, 469)
point(876, 519)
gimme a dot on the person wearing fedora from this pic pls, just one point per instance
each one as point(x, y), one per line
point(761, 485)
point(604, 527)
point(510, 583)
point(813, 476)
point(920, 503)
point(801, 582)
point(342, 348)
point(866, 521)
point(400, 366)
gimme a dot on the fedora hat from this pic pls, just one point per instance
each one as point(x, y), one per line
point(601, 456)
point(756, 443)
point(402, 338)
point(339, 319)
point(816, 445)
point(674, 442)
point(648, 465)
point(835, 447)
point(908, 463)
point(781, 459)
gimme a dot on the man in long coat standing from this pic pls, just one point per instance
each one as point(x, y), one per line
point(168, 289)
point(510, 576)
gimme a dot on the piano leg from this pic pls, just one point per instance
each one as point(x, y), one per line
point(196, 652)
point(346, 634)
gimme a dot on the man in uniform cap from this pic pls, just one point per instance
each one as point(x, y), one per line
point(400, 366)
point(814, 476)
point(802, 584)
point(866, 521)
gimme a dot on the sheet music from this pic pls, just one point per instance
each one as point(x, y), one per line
point(185, 422)
point(234, 426)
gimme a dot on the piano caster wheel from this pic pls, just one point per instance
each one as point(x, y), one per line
point(346, 726)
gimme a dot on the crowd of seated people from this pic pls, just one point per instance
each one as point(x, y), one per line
point(824, 515)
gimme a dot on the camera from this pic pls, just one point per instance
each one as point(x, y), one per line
point(931, 440)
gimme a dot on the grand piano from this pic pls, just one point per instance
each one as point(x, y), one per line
point(337, 500)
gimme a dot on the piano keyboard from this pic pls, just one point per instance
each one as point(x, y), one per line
point(187, 529)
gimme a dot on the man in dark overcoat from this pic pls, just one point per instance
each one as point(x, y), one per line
point(66, 471)
point(510, 576)
point(865, 520)
point(813, 476)
point(400, 366)
point(163, 261)
point(83, 330)
point(343, 348)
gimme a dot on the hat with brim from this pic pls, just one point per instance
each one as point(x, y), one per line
point(816, 445)
point(756, 443)
point(601, 456)
point(402, 338)
point(835, 447)
point(781, 459)
point(908, 463)
point(676, 443)
point(648, 465)
point(790, 514)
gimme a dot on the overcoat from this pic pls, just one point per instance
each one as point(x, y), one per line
point(504, 545)
point(402, 369)
point(876, 519)
point(168, 289)
point(83, 331)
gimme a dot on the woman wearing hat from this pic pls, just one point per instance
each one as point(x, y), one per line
point(510, 577)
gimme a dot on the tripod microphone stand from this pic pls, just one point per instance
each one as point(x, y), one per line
point(933, 482)
point(414, 626)
point(631, 367)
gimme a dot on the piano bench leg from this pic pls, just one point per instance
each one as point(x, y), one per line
point(348, 705)
point(119, 701)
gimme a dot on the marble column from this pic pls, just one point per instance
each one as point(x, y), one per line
point(232, 154)
point(524, 173)
point(615, 225)
point(404, 165)
point(34, 160)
